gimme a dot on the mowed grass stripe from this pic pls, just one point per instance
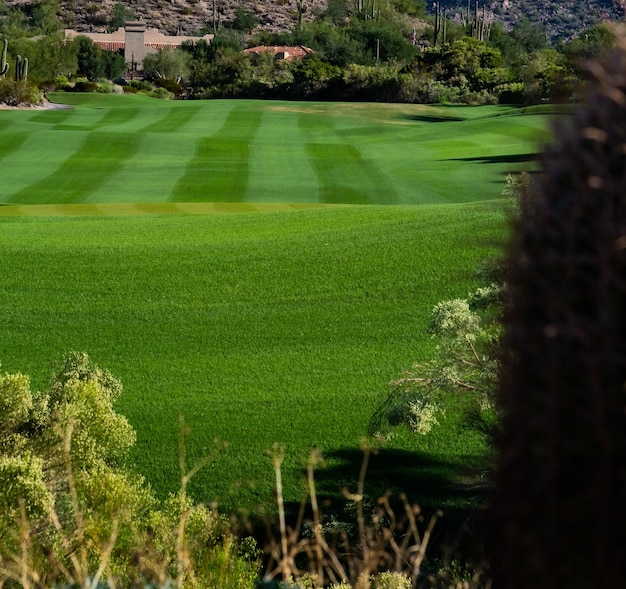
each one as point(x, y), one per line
point(83, 172)
point(279, 165)
point(150, 174)
point(220, 168)
point(51, 117)
point(33, 161)
point(345, 177)
point(201, 151)
point(173, 119)
point(120, 116)
point(10, 142)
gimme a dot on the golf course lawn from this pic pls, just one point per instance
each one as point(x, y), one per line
point(282, 324)
point(137, 150)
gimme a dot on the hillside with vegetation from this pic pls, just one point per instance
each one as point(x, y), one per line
point(393, 51)
point(560, 18)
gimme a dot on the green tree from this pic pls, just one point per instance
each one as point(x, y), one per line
point(43, 17)
point(381, 40)
point(312, 76)
point(244, 21)
point(94, 63)
point(548, 77)
point(28, 19)
point(593, 43)
point(167, 64)
point(89, 57)
point(520, 43)
point(466, 63)
point(121, 14)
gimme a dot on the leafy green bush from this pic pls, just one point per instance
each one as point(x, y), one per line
point(161, 93)
point(466, 364)
point(172, 86)
point(244, 20)
point(83, 85)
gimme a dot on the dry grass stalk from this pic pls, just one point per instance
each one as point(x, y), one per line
point(383, 543)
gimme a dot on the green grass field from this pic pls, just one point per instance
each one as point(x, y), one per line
point(137, 150)
point(283, 323)
point(257, 328)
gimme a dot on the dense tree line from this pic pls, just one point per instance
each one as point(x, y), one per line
point(377, 51)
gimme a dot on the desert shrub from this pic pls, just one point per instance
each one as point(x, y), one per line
point(466, 363)
point(383, 83)
point(61, 83)
point(138, 87)
point(244, 21)
point(105, 88)
point(510, 93)
point(161, 93)
point(312, 77)
point(19, 93)
point(431, 91)
point(171, 86)
point(71, 514)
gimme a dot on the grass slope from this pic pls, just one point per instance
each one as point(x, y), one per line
point(266, 326)
point(135, 149)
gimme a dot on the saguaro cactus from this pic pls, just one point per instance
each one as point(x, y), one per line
point(302, 6)
point(437, 25)
point(4, 66)
point(558, 510)
point(216, 18)
point(21, 69)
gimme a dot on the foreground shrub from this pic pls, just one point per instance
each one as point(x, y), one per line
point(70, 514)
point(465, 366)
point(380, 550)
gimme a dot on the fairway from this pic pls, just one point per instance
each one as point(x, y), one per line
point(137, 150)
point(282, 323)
point(259, 328)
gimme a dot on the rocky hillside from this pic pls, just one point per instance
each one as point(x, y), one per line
point(187, 16)
point(561, 18)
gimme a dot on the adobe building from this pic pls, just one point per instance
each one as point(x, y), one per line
point(135, 41)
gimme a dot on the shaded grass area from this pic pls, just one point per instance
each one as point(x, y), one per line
point(270, 326)
point(265, 151)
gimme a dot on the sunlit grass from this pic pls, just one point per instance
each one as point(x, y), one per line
point(261, 327)
point(135, 149)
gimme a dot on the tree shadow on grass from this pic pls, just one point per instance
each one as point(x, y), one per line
point(434, 119)
point(456, 488)
point(499, 159)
